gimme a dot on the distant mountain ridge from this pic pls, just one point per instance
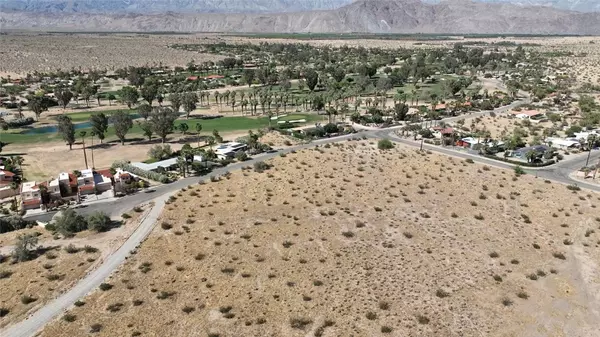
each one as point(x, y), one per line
point(235, 6)
point(373, 16)
point(162, 6)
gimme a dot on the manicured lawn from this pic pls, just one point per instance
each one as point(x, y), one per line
point(223, 125)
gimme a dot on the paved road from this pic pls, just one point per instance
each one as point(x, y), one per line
point(161, 193)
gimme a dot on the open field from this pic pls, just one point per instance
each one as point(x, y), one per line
point(54, 270)
point(26, 53)
point(349, 240)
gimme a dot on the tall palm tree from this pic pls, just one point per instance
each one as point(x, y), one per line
point(82, 134)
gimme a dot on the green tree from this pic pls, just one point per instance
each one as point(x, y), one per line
point(67, 130)
point(122, 122)
point(217, 136)
point(63, 96)
point(129, 96)
point(147, 129)
point(312, 78)
point(163, 121)
point(183, 128)
point(24, 248)
point(149, 92)
point(99, 125)
point(189, 101)
point(248, 76)
point(144, 110)
point(69, 222)
point(111, 97)
point(175, 99)
point(37, 105)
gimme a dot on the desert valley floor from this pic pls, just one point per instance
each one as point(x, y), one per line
point(348, 240)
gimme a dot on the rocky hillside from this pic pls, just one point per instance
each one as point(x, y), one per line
point(161, 6)
point(375, 16)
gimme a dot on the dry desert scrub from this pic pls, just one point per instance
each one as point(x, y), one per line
point(339, 252)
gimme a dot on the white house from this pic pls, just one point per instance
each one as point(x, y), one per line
point(563, 144)
point(229, 150)
point(31, 196)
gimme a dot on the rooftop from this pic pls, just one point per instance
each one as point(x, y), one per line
point(164, 163)
point(29, 186)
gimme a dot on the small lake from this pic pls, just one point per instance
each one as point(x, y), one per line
point(54, 128)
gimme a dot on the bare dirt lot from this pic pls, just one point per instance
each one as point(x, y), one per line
point(26, 53)
point(54, 270)
point(353, 241)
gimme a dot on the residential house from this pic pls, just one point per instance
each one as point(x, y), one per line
point(85, 182)
point(563, 144)
point(538, 149)
point(103, 180)
point(6, 177)
point(533, 115)
point(439, 132)
point(31, 196)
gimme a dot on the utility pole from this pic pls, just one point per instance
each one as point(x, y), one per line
point(82, 134)
point(92, 148)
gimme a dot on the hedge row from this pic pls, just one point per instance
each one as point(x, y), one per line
point(139, 172)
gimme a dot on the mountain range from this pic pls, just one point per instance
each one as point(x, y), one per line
point(234, 6)
point(373, 16)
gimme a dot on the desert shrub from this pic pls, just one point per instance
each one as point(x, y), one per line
point(13, 223)
point(523, 295)
point(99, 222)
point(5, 274)
point(300, 323)
point(71, 249)
point(497, 278)
point(69, 318)
point(386, 329)
point(188, 309)
point(26, 299)
point(105, 286)
point(241, 156)
point(125, 216)
point(384, 305)
point(137, 303)
point(519, 170)
point(494, 255)
point(163, 295)
point(441, 293)
point(559, 255)
point(422, 319)
point(166, 225)
point(348, 234)
point(114, 307)
point(371, 316)
point(160, 152)
point(469, 160)
point(4, 311)
point(385, 144)
point(90, 249)
point(95, 328)
point(507, 302)
point(261, 166)
point(79, 303)
point(573, 188)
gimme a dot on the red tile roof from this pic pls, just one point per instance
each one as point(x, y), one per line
point(87, 187)
point(192, 78)
point(8, 173)
point(211, 77)
point(105, 172)
point(31, 202)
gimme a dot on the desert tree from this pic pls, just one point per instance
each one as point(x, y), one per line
point(24, 248)
point(163, 121)
point(144, 110)
point(122, 122)
point(99, 222)
point(183, 128)
point(67, 130)
point(63, 96)
point(189, 101)
point(175, 99)
point(111, 97)
point(99, 125)
point(248, 76)
point(149, 92)
point(37, 105)
point(147, 129)
point(129, 96)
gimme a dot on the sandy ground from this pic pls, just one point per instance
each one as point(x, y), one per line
point(351, 241)
point(30, 278)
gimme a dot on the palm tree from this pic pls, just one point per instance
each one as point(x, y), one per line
point(82, 134)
